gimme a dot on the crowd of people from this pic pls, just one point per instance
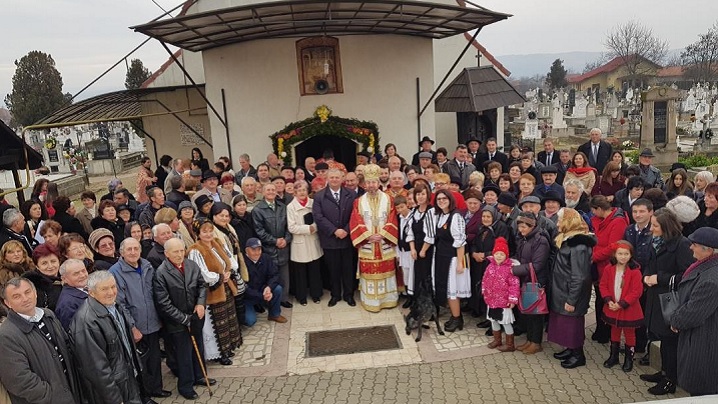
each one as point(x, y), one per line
point(93, 299)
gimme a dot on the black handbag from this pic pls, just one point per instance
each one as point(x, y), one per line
point(669, 301)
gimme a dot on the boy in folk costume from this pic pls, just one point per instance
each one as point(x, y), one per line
point(405, 265)
point(374, 233)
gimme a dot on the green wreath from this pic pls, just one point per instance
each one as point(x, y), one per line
point(50, 143)
point(365, 133)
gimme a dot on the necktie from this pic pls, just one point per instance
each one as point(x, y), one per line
point(271, 206)
point(595, 152)
point(491, 156)
point(336, 196)
point(548, 159)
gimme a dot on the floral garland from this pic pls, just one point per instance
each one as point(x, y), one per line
point(365, 133)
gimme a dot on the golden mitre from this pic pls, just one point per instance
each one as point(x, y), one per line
point(371, 172)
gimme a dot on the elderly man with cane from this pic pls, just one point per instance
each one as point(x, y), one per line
point(180, 295)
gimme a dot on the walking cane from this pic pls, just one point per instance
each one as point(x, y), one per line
point(201, 362)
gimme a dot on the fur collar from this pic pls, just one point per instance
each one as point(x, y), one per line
point(589, 240)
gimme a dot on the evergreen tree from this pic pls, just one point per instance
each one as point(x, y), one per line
point(136, 75)
point(36, 89)
point(556, 77)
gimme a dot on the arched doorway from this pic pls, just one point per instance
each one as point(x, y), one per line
point(344, 149)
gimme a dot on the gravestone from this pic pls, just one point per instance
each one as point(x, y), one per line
point(689, 104)
point(544, 110)
point(579, 110)
point(658, 125)
point(557, 120)
point(591, 110)
point(603, 123)
point(531, 129)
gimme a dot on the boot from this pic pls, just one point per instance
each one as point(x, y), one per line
point(407, 302)
point(565, 354)
point(523, 346)
point(613, 358)
point(628, 360)
point(663, 387)
point(454, 323)
point(533, 348)
point(509, 347)
point(497, 340)
point(575, 360)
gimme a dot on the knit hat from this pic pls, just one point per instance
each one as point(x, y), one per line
point(508, 199)
point(98, 235)
point(186, 205)
point(501, 245)
point(685, 208)
point(526, 218)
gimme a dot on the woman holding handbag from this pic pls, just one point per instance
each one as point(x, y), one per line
point(670, 256)
point(532, 253)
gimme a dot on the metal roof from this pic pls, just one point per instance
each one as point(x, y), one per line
point(294, 19)
point(477, 89)
point(110, 106)
point(12, 156)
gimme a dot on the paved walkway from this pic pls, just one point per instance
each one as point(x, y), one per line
point(271, 368)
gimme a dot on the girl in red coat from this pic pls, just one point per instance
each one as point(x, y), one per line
point(621, 287)
point(501, 293)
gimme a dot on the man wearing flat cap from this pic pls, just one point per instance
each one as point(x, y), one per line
point(210, 187)
point(650, 174)
point(696, 319)
point(425, 145)
point(549, 184)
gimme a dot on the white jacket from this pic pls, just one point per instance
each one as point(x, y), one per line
point(305, 245)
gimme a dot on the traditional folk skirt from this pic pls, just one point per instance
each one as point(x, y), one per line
point(225, 327)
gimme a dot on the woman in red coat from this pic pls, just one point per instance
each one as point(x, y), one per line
point(609, 224)
point(621, 286)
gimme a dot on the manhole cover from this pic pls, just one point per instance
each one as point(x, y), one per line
point(352, 340)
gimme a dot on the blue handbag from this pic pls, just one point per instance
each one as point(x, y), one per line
point(533, 296)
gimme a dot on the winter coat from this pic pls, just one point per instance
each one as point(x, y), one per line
point(604, 188)
point(135, 295)
point(105, 365)
point(331, 216)
point(305, 244)
point(608, 230)
point(67, 304)
point(641, 240)
point(630, 315)
point(262, 273)
point(672, 259)
point(499, 286)
point(651, 177)
point(244, 227)
point(472, 225)
point(103, 263)
point(85, 217)
point(117, 228)
point(270, 225)
point(697, 322)
point(533, 249)
point(176, 295)
point(156, 255)
point(71, 224)
point(571, 275)
point(29, 370)
point(48, 288)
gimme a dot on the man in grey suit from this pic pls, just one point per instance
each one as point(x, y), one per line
point(460, 168)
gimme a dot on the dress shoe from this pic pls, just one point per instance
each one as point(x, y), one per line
point(279, 319)
point(652, 377)
point(563, 354)
point(225, 361)
point(523, 346)
point(191, 396)
point(663, 387)
point(303, 302)
point(316, 299)
point(407, 303)
point(645, 360)
point(286, 305)
point(351, 302)
point(161, 394)
point(333, 302)
point(532, 348)
point(201, 382)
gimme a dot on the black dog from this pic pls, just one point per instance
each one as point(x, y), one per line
point(422, 310)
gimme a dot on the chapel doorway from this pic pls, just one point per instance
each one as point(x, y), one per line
point(476, 125)
point(344, 149)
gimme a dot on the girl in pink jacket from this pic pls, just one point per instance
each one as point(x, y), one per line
point(501, 292)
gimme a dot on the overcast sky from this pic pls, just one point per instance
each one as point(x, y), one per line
point(85, 37)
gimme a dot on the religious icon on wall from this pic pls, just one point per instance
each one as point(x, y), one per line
point(319, 66)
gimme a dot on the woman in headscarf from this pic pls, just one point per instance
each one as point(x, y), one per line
point(490, 227)
point(221, 328)
point(570, 288)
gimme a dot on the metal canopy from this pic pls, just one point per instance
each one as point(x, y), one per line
point(291, 19)
point(477, 89)
point(110, 106)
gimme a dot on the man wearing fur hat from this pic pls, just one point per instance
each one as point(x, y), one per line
point(374, 233)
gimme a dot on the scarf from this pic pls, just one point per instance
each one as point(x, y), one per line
point(581, 170)
point(657, 243)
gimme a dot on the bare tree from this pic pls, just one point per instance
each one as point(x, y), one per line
point(635, 44)
point(701, 57)
point(600, 61)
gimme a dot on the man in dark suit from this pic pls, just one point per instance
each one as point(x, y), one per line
point(598, 151)
point(564, 161)
point(332, 210)
point(425, 146)
point(493, 154)
point(473, 145)
point(460, 168)
point(549, 156)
